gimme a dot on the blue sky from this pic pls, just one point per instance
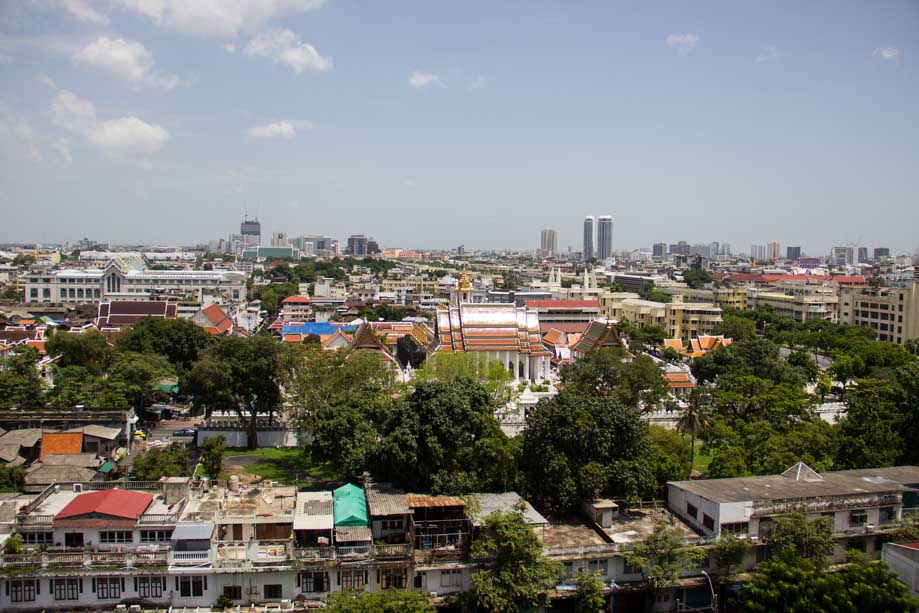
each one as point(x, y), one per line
point(430, 124)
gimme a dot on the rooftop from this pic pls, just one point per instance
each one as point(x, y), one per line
point(127, 504)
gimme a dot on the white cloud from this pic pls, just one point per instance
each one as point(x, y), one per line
point(683, 43)
point(478, 83)
point(123, 136)
point(768, 54)
point(80, 9)
point(217, 18)
point(127, 136)
point(409, 183)
point(888, 53)
point(61, 148)
point(17, 140)
point(285, 47)
point(420, 80)
point(129, 61)
point(229, 48)
point(279, 129)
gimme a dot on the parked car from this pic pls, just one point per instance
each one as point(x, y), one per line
point(185, 432)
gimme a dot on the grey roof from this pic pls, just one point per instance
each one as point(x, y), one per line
point(386, 503)
point(47, 474)
point(98, 431)
point(488, 503)
point(187, 531)
point(86, 460)
point(350, 534)
point(9, 451)
point(25, 437)
point(313, 511)
point(778, 487)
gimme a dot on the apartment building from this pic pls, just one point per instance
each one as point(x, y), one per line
point(801, 302)
point(862, 506)
point(680, 319)
point(724, 297)
point(129, 280)
point(893, 312)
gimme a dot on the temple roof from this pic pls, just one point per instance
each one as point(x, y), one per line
point(600, 333)
point(489, 327)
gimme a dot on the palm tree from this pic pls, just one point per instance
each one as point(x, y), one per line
point(695, 419)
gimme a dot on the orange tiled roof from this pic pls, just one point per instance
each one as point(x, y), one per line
point(61, 443)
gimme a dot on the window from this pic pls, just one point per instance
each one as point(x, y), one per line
point(857, 545)
point(691, 510)
point(155, 536)
point(115, 536)
point(628, 569)
point(451, 578)
point(108, 587)
point(193, 586)
point(858, 517)
point(392, 524)
point(600, 567)
point(352, 580)
point(22, 590)
point(233, 592)
point(740, 527)
point(273, 591)
point(149, 587)
point(66, 589)
point(708, 522)
point(38, 538)
point(888, 515)
point(314, 582)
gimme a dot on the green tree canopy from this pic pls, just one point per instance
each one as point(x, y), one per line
point(662, 556)
point(490, 374)
point(89, 350)
point(637, 383)
point(20, 383)
point(387, 601)
point(515, 574)
point(158, 462)
point(795, 537)
point(211, 455)
point(179, 340)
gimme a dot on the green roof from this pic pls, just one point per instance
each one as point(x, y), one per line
point(349, 506)
point(106, 467)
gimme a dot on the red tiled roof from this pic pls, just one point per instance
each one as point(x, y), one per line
point(296, 300)
point(758, 278)
point(217, 316)
point(126, 504)
point(61, 443)
point(566, 327)
point(416, 501)
point(566, 304)
point(39, 346)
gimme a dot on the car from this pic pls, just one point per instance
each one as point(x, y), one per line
point(185, 432)
point(140, 434)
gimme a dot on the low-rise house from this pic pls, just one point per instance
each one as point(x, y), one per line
point(214, 320)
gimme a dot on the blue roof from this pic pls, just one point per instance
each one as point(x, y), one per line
point(315, 327)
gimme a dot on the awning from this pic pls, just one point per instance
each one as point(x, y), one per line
point(106, 467)
point(193, 531)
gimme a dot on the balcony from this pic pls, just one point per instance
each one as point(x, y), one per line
point(189, 558)
point(252, 553)
point(127, 559)
point(388, 552)
point(353, 552)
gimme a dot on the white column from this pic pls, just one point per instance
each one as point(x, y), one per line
point(526, 371)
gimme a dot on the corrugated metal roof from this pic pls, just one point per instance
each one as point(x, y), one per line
point(193, 531)
point(386, 503)
point(417, 501)
point(351, 534)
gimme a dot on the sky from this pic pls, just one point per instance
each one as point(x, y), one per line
point(433, 124)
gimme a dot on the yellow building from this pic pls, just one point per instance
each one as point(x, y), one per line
point(724, 297)
point(680, 319)
point(799, 302)
point(892, 312)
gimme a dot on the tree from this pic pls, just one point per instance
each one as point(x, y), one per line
point(490, 374)
point(89, 350)
point(805, 364)
point(211, 456)
point(387, 601)
point(158, 462)
point(13, 545)
point(516, 574)
point(20, 384)
point(179, 340)
point(735, 327)
point(794, 537)
point(694, 419)
point(137, 376)
point(571, 430)
point(728, 553)
point(240, 375)
point(637, 383)
point(870, 430)
point(589, 592)
point(662, 556)
point(12, 479)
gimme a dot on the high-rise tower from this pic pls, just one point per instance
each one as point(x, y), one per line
point(588, 237)
point(604, 237)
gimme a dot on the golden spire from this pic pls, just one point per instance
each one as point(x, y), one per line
point(464, 282)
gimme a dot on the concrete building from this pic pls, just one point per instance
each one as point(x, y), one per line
point(680, 319)
point(792, 253)
point(725, 297)
point(357, 245)
point(129, 280)
point(251, 232)
point(862, 255)
point(801, 302)
point(773, 250)
point(659, 250)
point(680, 248)
point(279, 239)
point(548, 243)
point(604, 237)
point(842, 256)
point(758, 252)
point(588, 251)
point(881, 253)
point(893, 312)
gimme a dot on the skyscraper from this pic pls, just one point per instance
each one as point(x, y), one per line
point(251, 231)
point(862, 255)
point(842, 256)
point(773, 250)
point(881, 252)
point(357, 245)
point(792, 253)
point(604, 237)
point(659, 250)
point(588, 237)
point(758, 252)
point(548, 243)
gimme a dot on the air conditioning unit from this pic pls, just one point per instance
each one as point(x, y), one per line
point(432, 594)
point(78, 487)
point(869, 527)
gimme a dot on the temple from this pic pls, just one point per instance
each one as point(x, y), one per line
point(503, 332)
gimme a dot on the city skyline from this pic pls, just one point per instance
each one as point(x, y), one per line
point(119, 121)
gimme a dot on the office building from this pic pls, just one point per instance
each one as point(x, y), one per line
point(659, 250)
point(758, 252)
point(680, 319)
point(881, 252)
point(357, 245)
point(548, 243)
point(892, 312)
point(842, 256)
point(862, 255)
point(604, 237)
point(773, 250)
point(792, 253)
point(800, 302)
point(278, 239)
point(589, 237)
point(680, 248)
point(373, 247)
point(251, 231)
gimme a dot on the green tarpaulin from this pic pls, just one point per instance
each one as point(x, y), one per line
point(349, 506)
point(106, 468)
